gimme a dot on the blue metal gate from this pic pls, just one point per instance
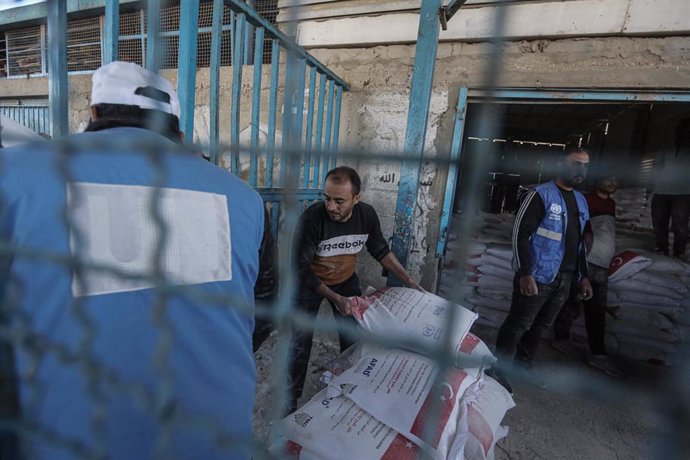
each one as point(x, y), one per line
point(34, 117)
point(310, 124)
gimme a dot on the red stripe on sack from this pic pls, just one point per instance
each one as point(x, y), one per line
point(448, 395)
point(479, 428)
point(621, 259)
point(402, 449)
point(469, 343)
point(293, 449)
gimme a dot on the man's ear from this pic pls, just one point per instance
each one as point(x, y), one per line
point(356, 198)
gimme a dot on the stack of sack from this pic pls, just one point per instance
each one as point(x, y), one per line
point(489, 276)
point(647, 300)
point(487, 270)
point(633, 208)
point(381, 403)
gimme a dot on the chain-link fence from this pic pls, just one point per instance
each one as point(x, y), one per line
point(129, 263)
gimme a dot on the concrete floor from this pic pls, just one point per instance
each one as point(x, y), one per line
point(558, 423)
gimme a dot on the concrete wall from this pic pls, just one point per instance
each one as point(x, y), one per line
point(80, 90)
point(380, 78)
point(351, 23)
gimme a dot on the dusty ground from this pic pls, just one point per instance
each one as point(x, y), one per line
point(553, 424)
point(545, 424)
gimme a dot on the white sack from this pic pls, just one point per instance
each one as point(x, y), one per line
point(502, 252)
point(626, 264)
point(395, 387)
point(631, 285)
point(649, 318)
point(337, 429)
point(652, 301)
point(490, 282)
point(404, 312)
point(672, 311)
point(666, 264)
point(495, 304)
point(498, 272)
point(484, 409)
point(667, 280)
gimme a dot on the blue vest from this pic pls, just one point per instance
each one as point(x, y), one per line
point(206, 372)
point(547, 244)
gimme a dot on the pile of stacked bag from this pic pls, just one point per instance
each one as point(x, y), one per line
point(382, 402)
point(633, 208)
point(648, 300)
point(648, 297)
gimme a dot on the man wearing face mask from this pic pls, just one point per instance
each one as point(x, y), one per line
point(548, 255)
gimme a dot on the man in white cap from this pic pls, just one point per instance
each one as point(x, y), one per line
point(132, 318)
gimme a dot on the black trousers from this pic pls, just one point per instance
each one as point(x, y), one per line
point(676, 209)
point(595, 311)
point(310, 301)
point(529, 316)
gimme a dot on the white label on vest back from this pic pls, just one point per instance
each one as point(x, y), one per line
point(114, 226)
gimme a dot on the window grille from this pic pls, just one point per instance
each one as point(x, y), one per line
point(269, 10)
point(25, 51)
point(130, 23)
point(3, 54)
point(84, 44)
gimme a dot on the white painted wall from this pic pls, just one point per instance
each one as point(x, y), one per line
point(550, 19)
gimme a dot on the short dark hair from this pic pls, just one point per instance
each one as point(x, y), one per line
point(572, 148)
point(119, 115)
point(343, 174)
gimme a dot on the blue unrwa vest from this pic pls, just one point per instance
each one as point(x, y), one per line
point(547, 244)
point(104, 366)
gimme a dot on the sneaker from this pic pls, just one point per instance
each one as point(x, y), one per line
point(501, 379)
point(605, 364)
point(566, 348)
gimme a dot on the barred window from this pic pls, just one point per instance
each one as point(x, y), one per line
point(25, 51)
point(84, 44)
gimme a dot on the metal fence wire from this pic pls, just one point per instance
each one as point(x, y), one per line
point(294, 132)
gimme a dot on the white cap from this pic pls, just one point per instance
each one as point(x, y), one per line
point(130, 84)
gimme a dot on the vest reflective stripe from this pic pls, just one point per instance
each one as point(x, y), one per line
point(547, 245)
point(549, 234)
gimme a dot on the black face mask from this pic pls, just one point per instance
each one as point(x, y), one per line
point(573, 174)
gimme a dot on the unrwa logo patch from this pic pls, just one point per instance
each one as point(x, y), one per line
point(556, 208)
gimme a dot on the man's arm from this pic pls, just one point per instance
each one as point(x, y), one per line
point(585, 285)
point(343, 304)
point(528, 218)
point(393, 265)
point(379, 250)
point(266, 286)
point(306, 241)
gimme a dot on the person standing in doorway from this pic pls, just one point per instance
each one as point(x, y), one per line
point(600, 243)
point(671, 201)
point(548, 254)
